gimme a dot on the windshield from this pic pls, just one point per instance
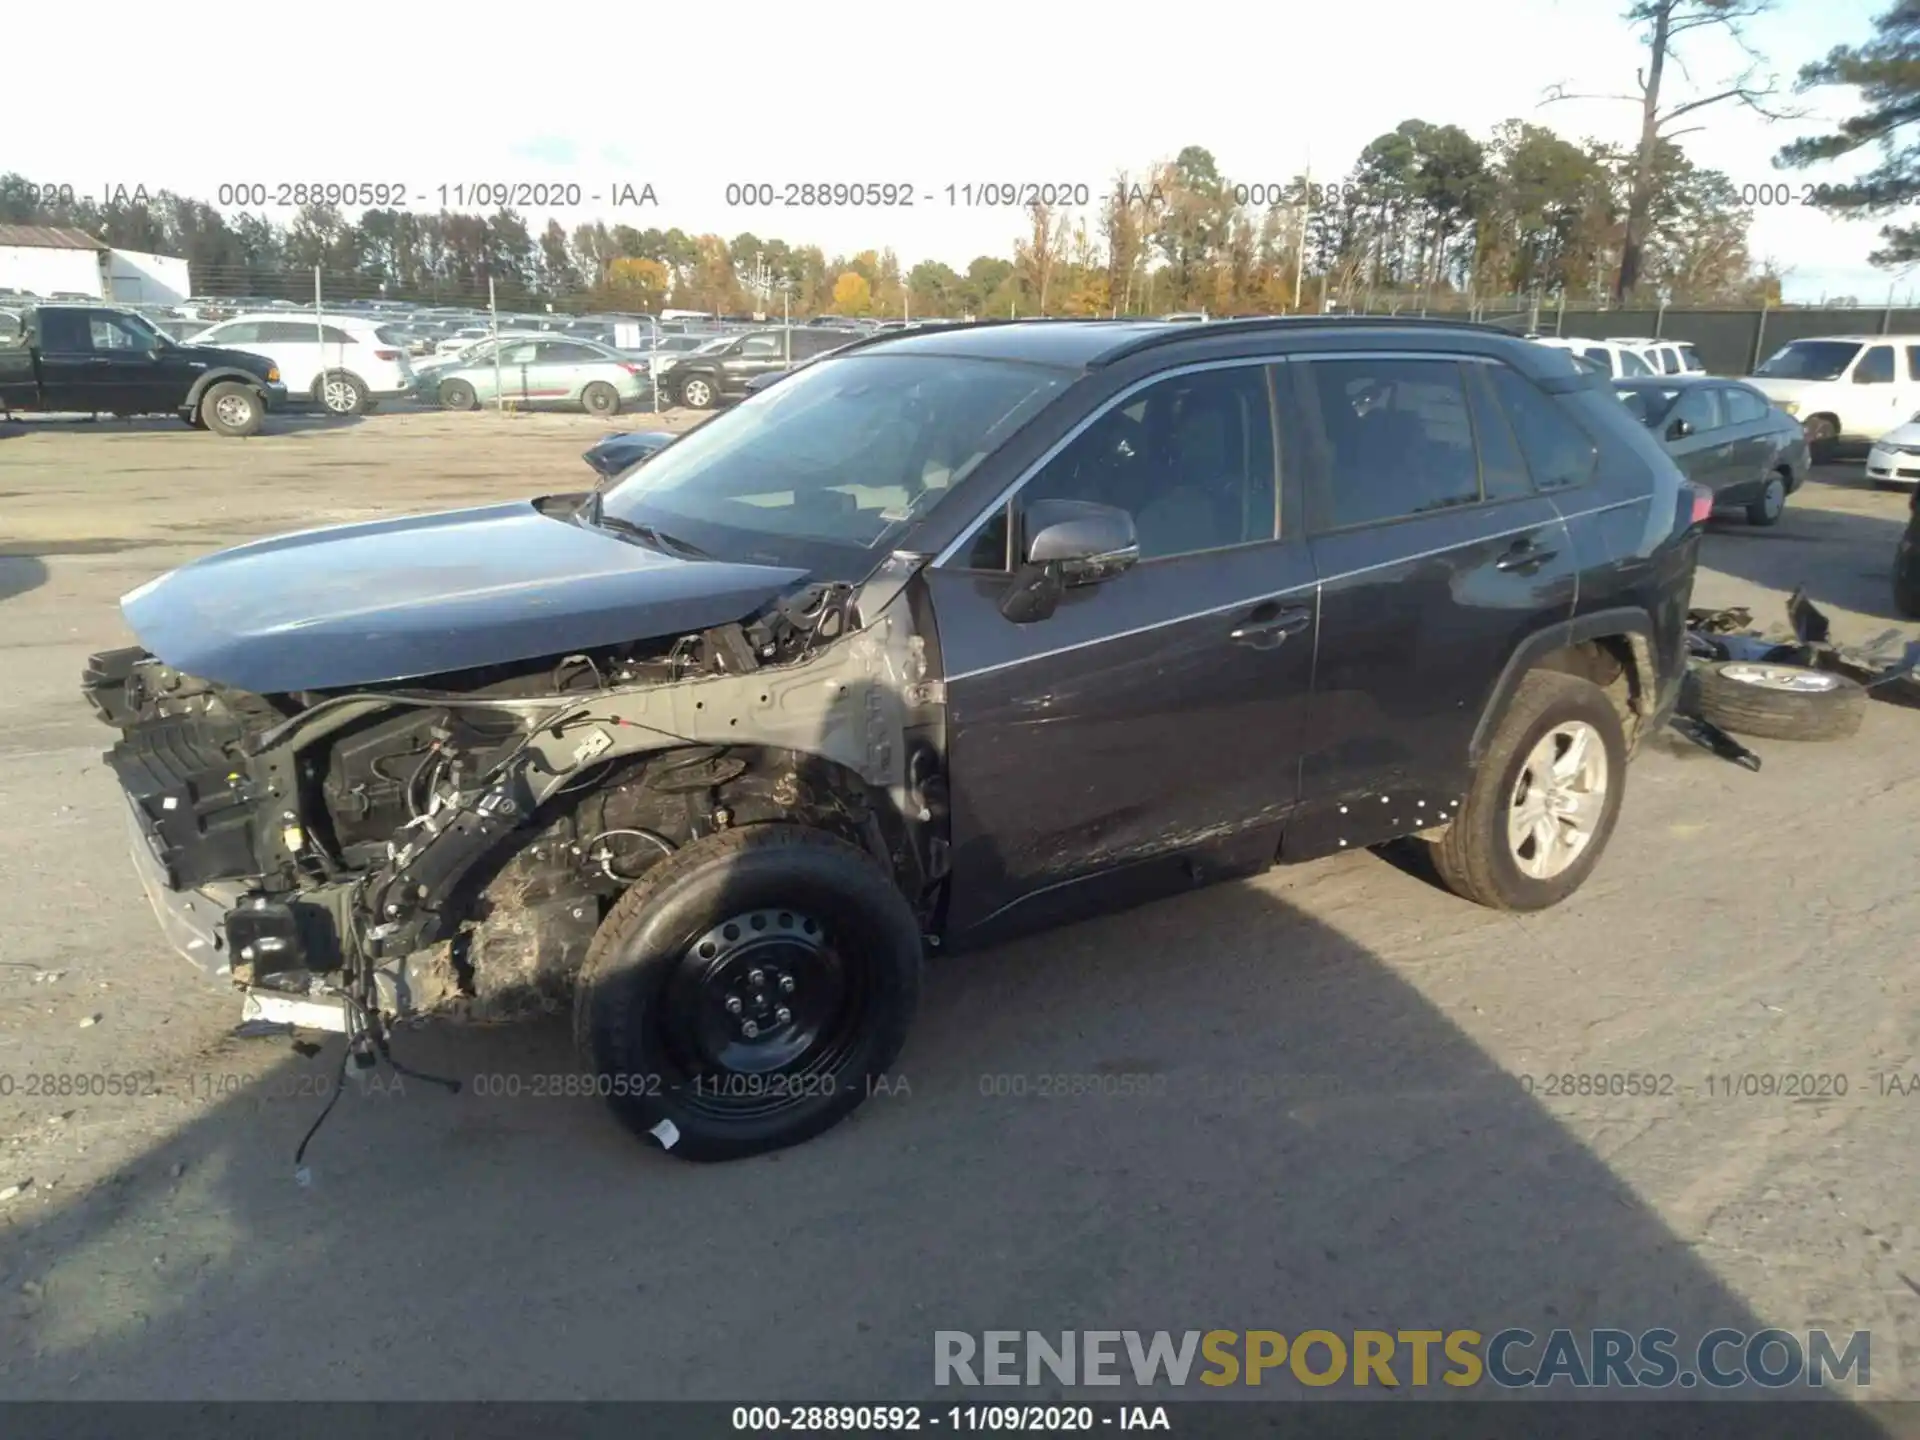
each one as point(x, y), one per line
point(846, 452)
point(1811, 360)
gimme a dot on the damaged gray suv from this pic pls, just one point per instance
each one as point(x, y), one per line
point(955, 634)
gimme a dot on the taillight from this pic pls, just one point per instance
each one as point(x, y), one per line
point(386, 354)
point(1702, 504)
point(630, 369)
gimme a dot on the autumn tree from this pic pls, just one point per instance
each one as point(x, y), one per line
point(851, 294)
point(1886, 71)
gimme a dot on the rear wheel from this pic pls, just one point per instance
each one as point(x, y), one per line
point(231, 409)
point(1772, 503)
point(601, 398)
point(341, 394)
point(748, 991)
point(1543, 801)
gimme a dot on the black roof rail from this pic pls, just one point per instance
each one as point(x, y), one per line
point(1175, 333)
point(948, 327)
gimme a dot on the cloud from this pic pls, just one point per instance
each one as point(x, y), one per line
point(548, 150)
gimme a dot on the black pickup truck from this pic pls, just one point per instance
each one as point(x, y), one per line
point(94, 359)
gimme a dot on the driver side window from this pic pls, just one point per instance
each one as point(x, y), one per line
point(1190, 458)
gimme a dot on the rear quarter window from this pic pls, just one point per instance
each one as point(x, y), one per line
point(1559, 453)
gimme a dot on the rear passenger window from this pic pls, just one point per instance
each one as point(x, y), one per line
point(1743, 406)
point(1398, 439)
point(1503, 471)
point(1559, 453)
point(1913, 362)
point(1632, 364)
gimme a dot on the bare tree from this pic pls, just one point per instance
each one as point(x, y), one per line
point(1754, 87)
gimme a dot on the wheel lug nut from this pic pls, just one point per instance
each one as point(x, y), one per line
point(733, 1004)
point(749, 1029)
point(786, 984)
point(756, 978)
point(783, 1015)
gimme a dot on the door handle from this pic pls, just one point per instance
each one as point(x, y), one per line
point(1269, 625)
point(100, 360)
point(1524, 558)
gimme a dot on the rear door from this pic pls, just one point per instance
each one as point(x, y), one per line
point(298, 348)
point(1436, 557)
point(1152, 724)
point(1751, 446)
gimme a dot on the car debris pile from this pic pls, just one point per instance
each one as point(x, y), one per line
point(1797, 685)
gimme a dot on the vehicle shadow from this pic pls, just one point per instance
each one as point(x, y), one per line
point(20, 573)
point(1213, 1112)
point(1844, 559)
point(283, 422)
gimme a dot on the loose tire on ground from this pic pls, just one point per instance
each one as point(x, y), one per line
point(1780, 702)
point(1475, 857)
point(650, 1012)
point(600, 398)
point(457, 395)
point(231, 409)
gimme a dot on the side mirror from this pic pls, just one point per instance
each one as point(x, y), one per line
point(1679, 430)
point(1070, 543)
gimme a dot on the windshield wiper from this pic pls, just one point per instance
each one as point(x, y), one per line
point(648, 534)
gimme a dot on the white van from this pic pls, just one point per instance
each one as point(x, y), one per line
point(1619, 360)
point(1845, 387)
point(343, 363)
point(1666, 357)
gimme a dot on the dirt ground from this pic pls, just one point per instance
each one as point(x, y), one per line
point(1349, 1124)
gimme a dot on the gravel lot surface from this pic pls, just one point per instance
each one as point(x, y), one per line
point(1350, 1124)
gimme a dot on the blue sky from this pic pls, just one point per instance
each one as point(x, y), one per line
point(1029, 92)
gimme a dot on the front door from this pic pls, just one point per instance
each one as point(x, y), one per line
point(1696, 436)
point(1436, 557)
point(1145, 734)
point(126, 370)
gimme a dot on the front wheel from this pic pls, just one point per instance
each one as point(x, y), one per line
point(697, 393)
point(231, 409)
point(1543, 801)
point(457, 395)
point(1821, 431)
point(749, 991)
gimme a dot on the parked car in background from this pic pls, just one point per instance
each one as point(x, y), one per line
point(720, 372)
point(1726, 436)
point(1844, 387)
point(1664, 357)
point(1614, 359)
point(545, 371)
point(341, 363)
point(1894, 461)
point(96, 359)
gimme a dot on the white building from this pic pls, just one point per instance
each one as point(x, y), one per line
point(47, 260)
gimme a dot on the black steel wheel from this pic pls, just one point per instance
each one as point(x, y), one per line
point(748, 991)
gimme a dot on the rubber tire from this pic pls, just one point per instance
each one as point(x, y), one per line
point(713, 393)
point(1757, 511)
point(1781, 714)
point(208, 413)
point(359, 406)
point(640, 942)
point(457, 395)
point(608, 397)
point(1472, 858)
point(1821, 433)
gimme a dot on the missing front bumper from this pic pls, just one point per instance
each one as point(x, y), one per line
point(191, 920)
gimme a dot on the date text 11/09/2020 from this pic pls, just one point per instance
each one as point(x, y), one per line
point(856, 1419)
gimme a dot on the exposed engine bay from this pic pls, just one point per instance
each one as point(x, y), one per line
point(450, 845)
